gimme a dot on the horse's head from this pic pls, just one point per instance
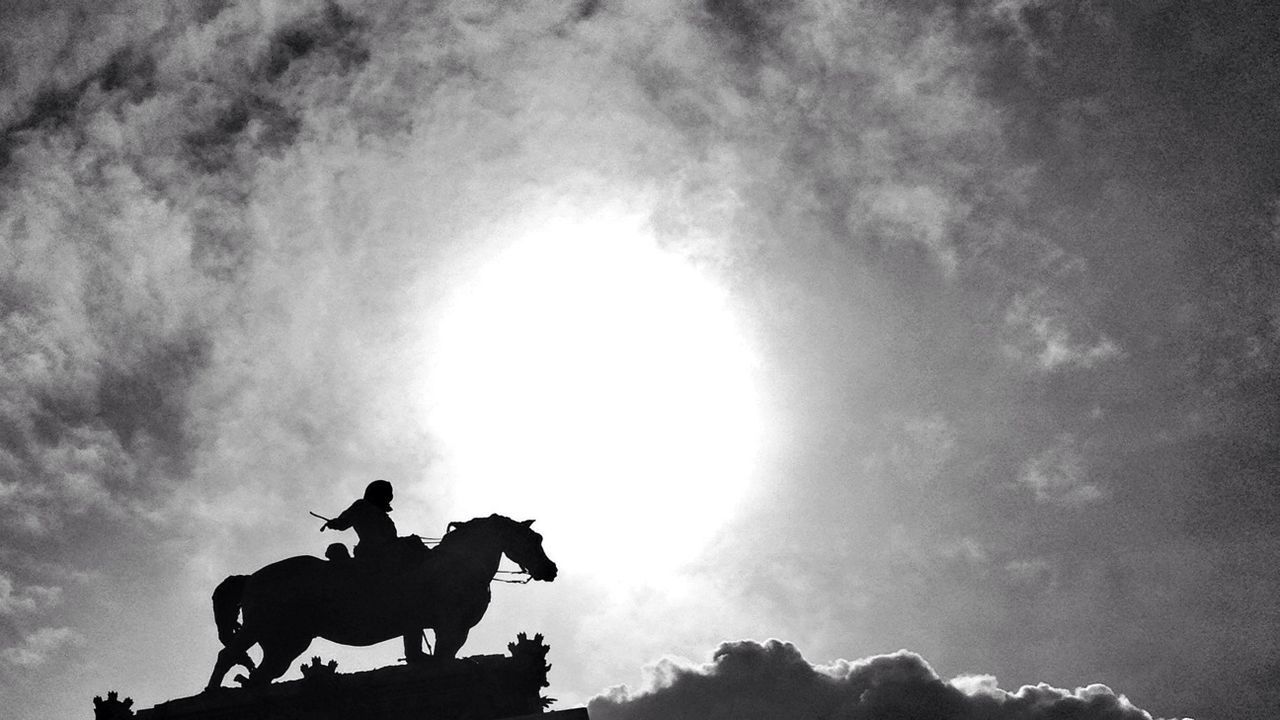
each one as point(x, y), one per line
point(523, 545)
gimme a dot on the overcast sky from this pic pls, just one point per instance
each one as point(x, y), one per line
point(1002, 279)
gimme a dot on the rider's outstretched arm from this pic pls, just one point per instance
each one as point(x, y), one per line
point(343, 521)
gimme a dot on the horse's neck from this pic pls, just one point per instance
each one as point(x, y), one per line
point(483, 550)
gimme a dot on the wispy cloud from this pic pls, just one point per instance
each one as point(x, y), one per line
point(1044, 336)
point(40, 647)
point(1060, 475)
point(18, 599)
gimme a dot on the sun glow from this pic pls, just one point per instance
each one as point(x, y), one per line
point(589, 379)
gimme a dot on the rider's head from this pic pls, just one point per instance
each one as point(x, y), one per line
point(379, 493)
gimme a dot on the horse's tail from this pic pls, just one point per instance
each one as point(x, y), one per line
point(226, 606)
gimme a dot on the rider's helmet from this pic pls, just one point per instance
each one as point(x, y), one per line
point(379, 493)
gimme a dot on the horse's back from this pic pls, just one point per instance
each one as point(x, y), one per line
point(295, 564)
point(309, 579)
point(297, 578)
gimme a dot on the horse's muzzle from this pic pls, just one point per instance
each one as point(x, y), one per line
point(547, 572)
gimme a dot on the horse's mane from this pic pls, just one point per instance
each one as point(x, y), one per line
point(459, 529)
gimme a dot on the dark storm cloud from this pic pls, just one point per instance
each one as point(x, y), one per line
point(754, 681)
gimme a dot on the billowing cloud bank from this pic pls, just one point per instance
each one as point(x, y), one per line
point(747, 680)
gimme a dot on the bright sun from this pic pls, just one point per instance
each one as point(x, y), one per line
point(589, 379)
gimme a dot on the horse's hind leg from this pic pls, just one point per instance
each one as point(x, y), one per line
point(276, 656)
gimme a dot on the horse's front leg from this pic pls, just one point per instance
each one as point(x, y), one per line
point(449, 640)
point(413, 648)
point(227, 659)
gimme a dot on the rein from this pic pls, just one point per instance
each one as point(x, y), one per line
point(431, 542)
point(527, 577)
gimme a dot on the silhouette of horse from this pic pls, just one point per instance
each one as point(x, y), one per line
point(287, 604)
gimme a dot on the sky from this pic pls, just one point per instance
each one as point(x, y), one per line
point(857, 359)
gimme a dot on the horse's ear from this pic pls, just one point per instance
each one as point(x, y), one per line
point(527, 523)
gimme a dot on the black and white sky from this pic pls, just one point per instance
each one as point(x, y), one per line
point(936, 339)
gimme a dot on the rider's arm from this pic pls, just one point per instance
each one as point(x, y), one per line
point(343, 521)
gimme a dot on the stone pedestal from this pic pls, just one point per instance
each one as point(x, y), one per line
point(485, 687)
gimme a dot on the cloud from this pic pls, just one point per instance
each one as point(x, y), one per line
point(747, 680)
point(225, 225)
point(251, 186)
point(1034, 572)
point(40, 647)
point(125, 238)
point(1059, 475)
point(921, 448)
point(1043, 336)
point(15, 599)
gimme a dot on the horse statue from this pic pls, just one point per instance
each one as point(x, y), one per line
point(287, 604)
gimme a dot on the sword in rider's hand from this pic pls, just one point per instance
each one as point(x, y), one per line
point(325, 519)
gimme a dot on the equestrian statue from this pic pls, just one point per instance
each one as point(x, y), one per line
point(397, 591)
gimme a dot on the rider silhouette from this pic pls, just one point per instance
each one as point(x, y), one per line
point(369, 516)
point(378, 539)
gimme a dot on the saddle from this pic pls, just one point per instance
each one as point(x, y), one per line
point(402, 549)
